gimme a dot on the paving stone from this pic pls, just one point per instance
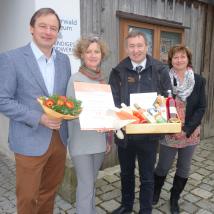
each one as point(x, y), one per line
point(58, 211)
point(202, 193)
point(112, 170)
point(203, 172)
point(200, 164)
point(106, 188)
point(71, 211)
point(164, 208)
point(211, 168)
point(160, 203)
point(97, 201)
point(110, 178)
point(209, 182)
point(196, 176)
point(109, 195)
point(206, 205)
point(194, 182)
point(201, 211)
point(165, 194)
point(100, 183)
point(136, 207)
point(198, 158)
point(209, 162)
point(63, 205)
point(157, 212)
point(167, 186)
point(98, 191)
point(109, 206)
point(206, 187)
point(117, 184)
point(189, 186)
point(189, 207)
point(191, 198)
point(100, 210)
point(197, 198)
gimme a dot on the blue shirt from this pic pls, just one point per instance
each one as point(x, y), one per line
point(46, 66)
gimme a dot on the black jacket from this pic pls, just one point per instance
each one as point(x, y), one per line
point(195, 107)
point(124, 81)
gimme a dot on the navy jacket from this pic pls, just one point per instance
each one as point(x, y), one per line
point(195, 107)
point(124, 81)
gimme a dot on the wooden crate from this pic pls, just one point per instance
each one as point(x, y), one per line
point(153, 128)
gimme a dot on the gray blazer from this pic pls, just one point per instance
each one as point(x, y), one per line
point(21, 82)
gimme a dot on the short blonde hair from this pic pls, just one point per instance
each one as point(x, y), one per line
point(82, 45)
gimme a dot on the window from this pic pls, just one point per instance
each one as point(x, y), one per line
point(160, 38)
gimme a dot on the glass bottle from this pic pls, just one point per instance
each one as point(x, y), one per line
point(171, 106)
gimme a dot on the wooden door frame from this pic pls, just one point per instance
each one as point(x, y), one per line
point(123, 30)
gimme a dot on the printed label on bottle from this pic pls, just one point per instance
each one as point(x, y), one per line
point(172, 110)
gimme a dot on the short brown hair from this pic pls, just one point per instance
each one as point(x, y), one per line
point(135, 33)
point(43, 12)
point(82, 45)
point(179, 48)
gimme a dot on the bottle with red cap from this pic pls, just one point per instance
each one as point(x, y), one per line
point(171, 110)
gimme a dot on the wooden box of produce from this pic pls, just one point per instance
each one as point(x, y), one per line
point(153, 128)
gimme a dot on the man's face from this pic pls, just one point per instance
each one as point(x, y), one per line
point(136, 49)
point(45, 31)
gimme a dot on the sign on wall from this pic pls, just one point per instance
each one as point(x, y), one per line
point(69, 13)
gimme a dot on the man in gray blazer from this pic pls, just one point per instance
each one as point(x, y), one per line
point(38, 142)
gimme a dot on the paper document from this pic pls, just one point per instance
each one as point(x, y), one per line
point(97, 104)
point(144, 100)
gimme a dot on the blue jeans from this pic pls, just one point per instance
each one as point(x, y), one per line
point(145, 153)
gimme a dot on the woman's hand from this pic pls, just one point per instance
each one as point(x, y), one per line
point(108, 148)
point(103, 130)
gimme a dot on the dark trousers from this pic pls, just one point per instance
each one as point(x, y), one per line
point(145, 153)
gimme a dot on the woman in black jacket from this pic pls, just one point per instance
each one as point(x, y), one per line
point(189, 92)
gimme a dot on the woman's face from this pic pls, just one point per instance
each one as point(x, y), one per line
point(92, 56)
point(180, 61)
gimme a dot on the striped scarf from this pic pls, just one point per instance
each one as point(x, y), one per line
point(92, 74)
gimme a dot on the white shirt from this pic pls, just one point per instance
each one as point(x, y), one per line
point(143, 64)
point(46, 66)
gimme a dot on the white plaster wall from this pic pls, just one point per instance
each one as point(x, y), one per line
point(14, 23)
point(14, 27)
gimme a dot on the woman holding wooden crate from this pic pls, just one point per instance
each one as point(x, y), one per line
point(189, 92)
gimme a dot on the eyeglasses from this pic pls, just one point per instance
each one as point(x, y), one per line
point(44, 27)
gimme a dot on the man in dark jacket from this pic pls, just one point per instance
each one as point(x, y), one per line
point(138, 73)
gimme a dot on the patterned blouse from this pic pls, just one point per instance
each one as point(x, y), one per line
point(180, 140)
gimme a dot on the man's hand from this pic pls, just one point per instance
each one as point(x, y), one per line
point(50, 123)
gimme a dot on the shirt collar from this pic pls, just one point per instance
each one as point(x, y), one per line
point(38, 53)
point(143, 64)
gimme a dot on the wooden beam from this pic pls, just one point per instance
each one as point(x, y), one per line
point(150, 20)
